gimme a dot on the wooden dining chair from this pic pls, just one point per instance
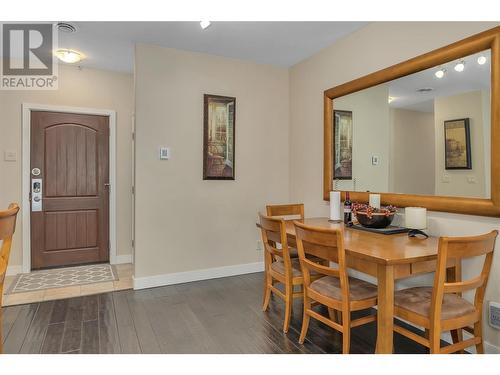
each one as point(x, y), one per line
point(7, 228)
point(335, 289)
point(441, 307)
point(279, 266)
point(293, 211)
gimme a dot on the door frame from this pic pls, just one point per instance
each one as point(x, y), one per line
point(27, 108)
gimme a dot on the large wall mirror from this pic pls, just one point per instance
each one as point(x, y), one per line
point(424, 132)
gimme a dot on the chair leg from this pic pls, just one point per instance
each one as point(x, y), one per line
point(267, 292)
point(305, 320)
point(435, 341)
point(478, 332)
point(288, 306)
point(457, 336)
point(335, 315)
point(346, 334)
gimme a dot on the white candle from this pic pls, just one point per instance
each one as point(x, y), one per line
point(416, 217)
point(374, 200)
point(335, 206)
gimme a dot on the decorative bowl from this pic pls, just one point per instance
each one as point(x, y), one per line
point(371, 217)
point(375, 220)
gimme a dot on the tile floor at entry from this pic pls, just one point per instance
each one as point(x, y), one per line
point(124, 282)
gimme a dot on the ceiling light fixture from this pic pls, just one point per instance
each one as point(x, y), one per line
point(440, 73)
point(66, 27)
point(205, 24)
point(481, 60)
point(460, 66)
point(69, 56)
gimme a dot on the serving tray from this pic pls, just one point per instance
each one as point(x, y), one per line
point(391, 229)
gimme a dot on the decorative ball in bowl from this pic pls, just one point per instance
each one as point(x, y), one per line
point(372, 217)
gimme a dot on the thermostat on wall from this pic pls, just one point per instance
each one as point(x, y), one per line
point(164, 153)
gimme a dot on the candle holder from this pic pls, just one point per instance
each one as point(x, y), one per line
point(415, 221)
point(416, 232)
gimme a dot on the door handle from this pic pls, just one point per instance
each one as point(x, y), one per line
point(107, 185)
point(36, 194)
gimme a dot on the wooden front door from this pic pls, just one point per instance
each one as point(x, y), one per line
point(70, 217)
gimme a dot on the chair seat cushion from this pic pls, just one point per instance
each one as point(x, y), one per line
point(418, 300)
point(279, 267)
point(329, 286)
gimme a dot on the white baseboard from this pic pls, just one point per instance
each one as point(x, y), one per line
point(122, 259)
point(196, 275)
point(14, 270)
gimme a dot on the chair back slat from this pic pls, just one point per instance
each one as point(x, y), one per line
point(8, 221)
point(458, 248)
point(470, 247)
point(463, 286)
point(324, 243)
point(316, 267)
point(286, 210)
point(274, 233)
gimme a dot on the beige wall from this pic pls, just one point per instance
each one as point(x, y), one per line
point(182, 222)
point(370, 119)
point(78, 88)
point(412, 152)
point(373, 47)
point(466, 105)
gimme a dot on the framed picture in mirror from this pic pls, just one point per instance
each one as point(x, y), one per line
point(343, 145)
point(457, 144)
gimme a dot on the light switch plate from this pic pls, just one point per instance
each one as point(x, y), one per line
point(164, 153)
point(375, 160)
point(10, 155)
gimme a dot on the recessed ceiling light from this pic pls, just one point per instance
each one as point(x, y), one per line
point(204, 24)
point(390, 99)
point(481, 60)
point(440, 73)
point(66, 27)
point(460, 66)
point(69, 56)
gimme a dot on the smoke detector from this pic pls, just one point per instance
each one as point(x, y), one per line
point(425, 89)
point(66, 27)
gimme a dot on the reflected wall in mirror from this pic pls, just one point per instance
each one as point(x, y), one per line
point(398, 140)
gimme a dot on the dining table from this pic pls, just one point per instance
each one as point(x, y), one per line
point(388, 258)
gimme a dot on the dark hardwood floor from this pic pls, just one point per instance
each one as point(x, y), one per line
point(213, 316)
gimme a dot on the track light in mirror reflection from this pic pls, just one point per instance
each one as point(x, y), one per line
point(440, 73)
point(481, 60)
point(460, 66)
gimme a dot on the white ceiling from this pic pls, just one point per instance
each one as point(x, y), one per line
point(110, 45)
point(474, 77)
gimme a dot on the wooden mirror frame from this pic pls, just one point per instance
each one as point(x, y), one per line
point(474, 206)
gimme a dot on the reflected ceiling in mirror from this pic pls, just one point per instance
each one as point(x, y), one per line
point(427, 133)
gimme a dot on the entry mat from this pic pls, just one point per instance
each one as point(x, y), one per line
point(62, 277)
point(389, 230)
